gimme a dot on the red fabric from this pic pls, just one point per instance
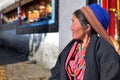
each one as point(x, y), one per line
point(111, 4)
point(112, 25)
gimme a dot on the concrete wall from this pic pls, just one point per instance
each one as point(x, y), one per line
point(66, 8)
point(42, 48)
point(45, 47)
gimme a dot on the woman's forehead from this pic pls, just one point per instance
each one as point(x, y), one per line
point(74, 17)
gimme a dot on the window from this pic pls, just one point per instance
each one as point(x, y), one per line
point(38, 16)
point(9, 17)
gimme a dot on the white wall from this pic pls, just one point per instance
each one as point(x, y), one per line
point(48, 48)
point(44, 47)
point(66, 8)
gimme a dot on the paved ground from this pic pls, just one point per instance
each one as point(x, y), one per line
point(14, 66)
point(3, 75)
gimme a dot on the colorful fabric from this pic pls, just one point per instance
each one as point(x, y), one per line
point(75, 64)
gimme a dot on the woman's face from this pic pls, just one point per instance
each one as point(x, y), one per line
point(77, 29)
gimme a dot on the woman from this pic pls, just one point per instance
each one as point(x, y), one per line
point(90, 55)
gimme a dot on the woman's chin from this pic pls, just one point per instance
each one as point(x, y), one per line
point(76, 38)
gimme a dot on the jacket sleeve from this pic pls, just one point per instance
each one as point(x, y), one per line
point(55, 71)
point(109, 63)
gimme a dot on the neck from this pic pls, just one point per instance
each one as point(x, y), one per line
point(85, 41)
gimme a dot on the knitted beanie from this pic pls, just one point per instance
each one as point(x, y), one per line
point(101, 14)
point(99, 19)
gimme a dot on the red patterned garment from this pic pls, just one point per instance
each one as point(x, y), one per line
point(75, 63)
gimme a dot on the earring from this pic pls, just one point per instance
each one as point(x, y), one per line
point(85, 31)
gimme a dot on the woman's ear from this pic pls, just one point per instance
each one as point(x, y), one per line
point(88, 28)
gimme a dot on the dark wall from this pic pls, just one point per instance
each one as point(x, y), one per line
point(91, 1)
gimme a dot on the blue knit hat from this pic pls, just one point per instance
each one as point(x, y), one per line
point(101, 14)
point(98, 18)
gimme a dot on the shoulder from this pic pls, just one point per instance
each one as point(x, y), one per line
point(68, 46)
point(105, 51)
point(102, 43)
point(65, 51)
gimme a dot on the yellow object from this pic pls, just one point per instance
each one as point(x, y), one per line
point(30, 16)
point(36, 14)
point(118, 9)
point(116, 45)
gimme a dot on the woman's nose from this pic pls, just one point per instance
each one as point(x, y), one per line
point(71, 27)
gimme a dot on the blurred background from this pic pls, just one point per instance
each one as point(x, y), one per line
point(34, 32)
